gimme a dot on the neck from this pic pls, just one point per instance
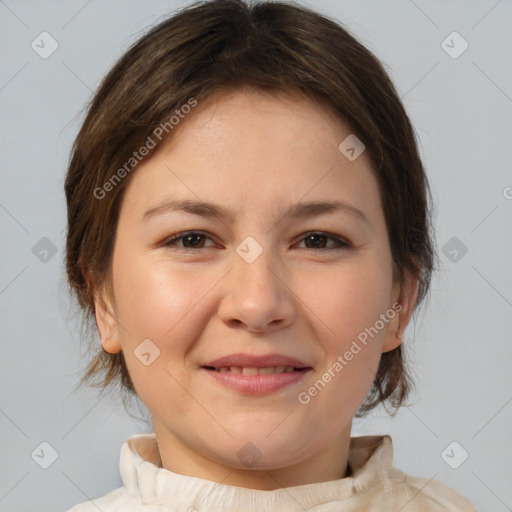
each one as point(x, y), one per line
point(328, 463)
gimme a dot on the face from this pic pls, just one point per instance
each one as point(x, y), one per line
point(252, 279)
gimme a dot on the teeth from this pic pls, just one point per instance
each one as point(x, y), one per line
point(251, 370)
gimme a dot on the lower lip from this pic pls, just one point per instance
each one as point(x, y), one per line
point(257, 384)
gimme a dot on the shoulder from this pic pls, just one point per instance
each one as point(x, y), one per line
point(421, 494)
point(114, 501)
point(378, 485)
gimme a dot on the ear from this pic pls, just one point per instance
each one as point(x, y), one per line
point(404, 300)
point(106, 321)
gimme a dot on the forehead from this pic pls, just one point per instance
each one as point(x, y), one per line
point(253, 150)
point(281, 121)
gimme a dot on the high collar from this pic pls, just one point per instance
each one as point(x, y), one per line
point(369, 459)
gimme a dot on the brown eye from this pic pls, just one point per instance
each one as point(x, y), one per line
point(315, 241)
point(189, 240)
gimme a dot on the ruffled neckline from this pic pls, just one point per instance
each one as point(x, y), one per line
point(369, 460)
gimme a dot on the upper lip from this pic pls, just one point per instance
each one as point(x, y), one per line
point(248, 360)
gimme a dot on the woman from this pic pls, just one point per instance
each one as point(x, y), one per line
point(248, 225)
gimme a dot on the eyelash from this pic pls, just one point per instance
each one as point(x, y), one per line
point(340, 243)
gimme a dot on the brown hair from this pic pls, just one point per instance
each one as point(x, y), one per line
point(228, 44)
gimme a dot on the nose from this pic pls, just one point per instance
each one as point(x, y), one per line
point(257, 296)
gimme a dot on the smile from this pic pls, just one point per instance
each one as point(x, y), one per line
point(252, 370)
point(256, 381)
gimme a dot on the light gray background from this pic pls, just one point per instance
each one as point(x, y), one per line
point(462, 353)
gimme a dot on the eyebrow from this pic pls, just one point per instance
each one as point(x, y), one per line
point(299, 210)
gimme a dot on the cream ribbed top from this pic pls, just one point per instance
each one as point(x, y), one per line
point(373, 485)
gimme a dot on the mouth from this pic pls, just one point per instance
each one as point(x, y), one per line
point(256, 381)
point(253, 370)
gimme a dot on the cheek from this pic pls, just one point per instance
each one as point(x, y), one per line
point(348, 298)
point(159, 302)
point(349, 302)
point(154, 297)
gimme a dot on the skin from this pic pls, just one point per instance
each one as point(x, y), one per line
point(256, 155)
